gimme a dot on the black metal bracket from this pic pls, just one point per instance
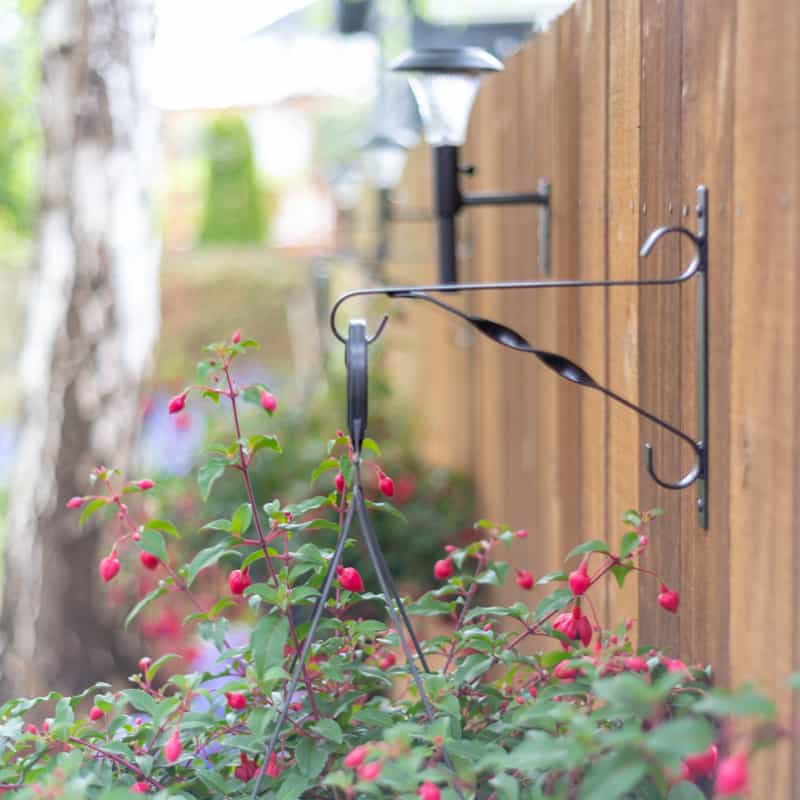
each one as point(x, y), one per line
point(449, 200)
point(501, 334)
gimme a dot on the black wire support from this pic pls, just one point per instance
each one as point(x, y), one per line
point(503, 335)
point(356, 359)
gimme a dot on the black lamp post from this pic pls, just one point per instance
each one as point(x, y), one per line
point(445, 83)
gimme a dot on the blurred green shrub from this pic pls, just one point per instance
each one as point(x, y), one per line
point(234, 207)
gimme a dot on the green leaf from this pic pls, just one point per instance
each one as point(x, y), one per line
point(158, 663)
point(312, 504)
point(553, 602)
point(506, 786)
point(746, 702)
point(628, 544)
point(612, 776)
point(218, 525)
point(370, 444)
point(143, 603)
point(472, 667)
point(141, 701)
point(631, 517)
point(267, 641)
point(794, 681)
point(205, 558)
point(162, 525)
point(627, 692)
point(593, 546)
point(620, 572)
point(293, 787)
point(677, 738)
point(260, 442)
point(386, 508)
point(550, 577)
point(329, 729)
point(90, 508)
point(208, 475)
point(685, 791)
point(327, 464)
point(241, 520)
point(153, 542)
point(310, 758)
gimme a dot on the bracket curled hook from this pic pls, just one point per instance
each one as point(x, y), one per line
point(503, 335)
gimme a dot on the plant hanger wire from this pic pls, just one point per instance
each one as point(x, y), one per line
point(503, 335)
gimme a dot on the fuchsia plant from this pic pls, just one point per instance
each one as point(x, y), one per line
point(591, 716)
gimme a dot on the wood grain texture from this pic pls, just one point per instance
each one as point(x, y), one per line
point(660, 307)
point(624, 448)
point(764, 430)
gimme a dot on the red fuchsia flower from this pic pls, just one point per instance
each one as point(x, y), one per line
point(239, 580)
point(145, 484)
point(405, 488)
point(429, 791)
point(702, 765)
point(565, 672)
point(370, 771)
point(349, 579)
point(75, 502)
point(524, 579)
point(247, 768)
point(268, 401)
point(340, 483)
point(273, 770)
point(522, 534)
point(236, 700)
point(140, 787)
point(636, 664)
point(355, 758)
point(450, 548)
point(178, 403)
point(31, 728)
point(386, 485)
point(732, 776)
point(674, 664)
point(149, 561)
point(96, 713)
point(574, 626)
point(388, 661)
point(668, 599)
point(579, 580)
point(173, 748)
point(443, 569)
point(237, 337)
point(109, 566)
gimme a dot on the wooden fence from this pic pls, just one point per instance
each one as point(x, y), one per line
point(625, 106)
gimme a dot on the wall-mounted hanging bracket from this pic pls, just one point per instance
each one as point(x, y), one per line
point(503, 335)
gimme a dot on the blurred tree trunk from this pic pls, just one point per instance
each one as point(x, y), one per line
point(92, 322)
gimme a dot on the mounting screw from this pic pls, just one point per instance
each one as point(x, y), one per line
point(468, 169)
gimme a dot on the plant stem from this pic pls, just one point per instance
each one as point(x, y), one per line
point(123, 762)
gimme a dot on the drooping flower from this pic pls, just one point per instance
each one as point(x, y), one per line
point(239, 580)
point(579, 580)
point(247, 768)
point(109, 566)
point(443, 569)
point(524, 579)
point(349, 579)
point(702, 765)
point(732, 775)
point(668, 599)
point(268, 401)
point(177, 403)
point(173, 748)
point(355, 758)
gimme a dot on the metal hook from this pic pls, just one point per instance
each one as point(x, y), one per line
point(687, 480)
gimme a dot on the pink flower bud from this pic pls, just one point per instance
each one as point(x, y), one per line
point(109, 566)
point(239, 580)
point(524, 579)
point(370, 771)
point(273, 770)
point(565, 672)
point(237, 337)
point(96, 713)
point(149, 561)
point(636, 664)
point(450, 548)
point(236, 700)
point(579, 580)
point(268, 401)
point(522, 534)
point(349, 579)
point(443, 569)
point(340, 483)
point(145, 484)
point(702, 765)
point(355, 758)
point(668, 599)
point(75, 502)
point(140, 787)
point(144, 663)
point(732, 776)
point(386, 485)
point(173, 748)
point(177, 403)
point(429, 791)
point(388, 661)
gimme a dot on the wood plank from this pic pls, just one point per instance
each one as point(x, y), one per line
point(707, 157)
point(764, 430)
point(660, 307)
point(624, 448)
point(592, 25)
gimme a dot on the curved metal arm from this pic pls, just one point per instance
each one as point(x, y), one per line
point(503, 335)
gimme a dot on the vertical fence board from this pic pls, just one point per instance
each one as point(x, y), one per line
point(624, 450)
point(764, 431)
point(660, 307)
point(707, 118)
